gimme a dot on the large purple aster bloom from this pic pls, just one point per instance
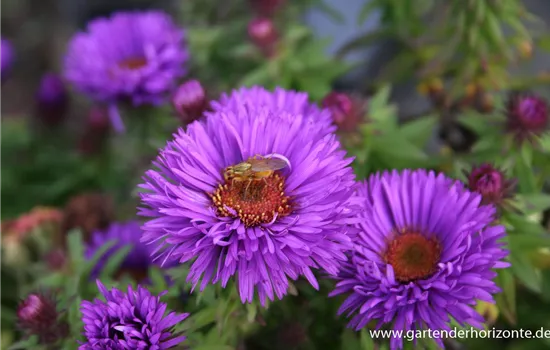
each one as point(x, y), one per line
point(267, 229)
point(278, 100)
point(6, 59)
point(132, 320)
point(425, 253)
point(138, 260)
point(134, 56)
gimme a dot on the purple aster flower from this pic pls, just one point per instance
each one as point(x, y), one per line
point(132, 320)
point(138, 260)
point(135, 56)
point(425, 253)
point(211, 202)
point(51, 99)
point(6, 52)
point(527, 116)
point(279, 100)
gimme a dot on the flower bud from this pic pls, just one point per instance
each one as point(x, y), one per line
point(347, 111)
point(37, 315)
point(51, 100)
point(263, 34)
point(88, 212)
point(491, 183)
point(190, 101)
point(527, 115)
point(7, 55)
point(96, 131)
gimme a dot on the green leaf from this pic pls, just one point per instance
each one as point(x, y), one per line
point(535, 202)
point(419, 131)
point(25, 344)
point(525, 272)
point(350, 341)
point(363, 41)
point(366, 341)
point(114, 262)
point(367, 10)
point(527, 242)
point(258, 76)
point(202, 318)
point(524, 172)
point(399, 147)
point(506, 301)
point(380, 99)
point(76, 249)
point(522, 225)
point(545, 293)
point(331, 12)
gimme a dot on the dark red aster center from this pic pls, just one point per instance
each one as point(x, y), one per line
point(133, 63)
point(253, 201)
point(412, 256)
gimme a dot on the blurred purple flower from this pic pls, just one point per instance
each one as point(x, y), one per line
point(52, 99)
point(426, 252)
point(138, 260)
point(280, 100)
point(134, 56)
point(132, 320)
point(266, 231)
point(347, 111)
point(527, 116)
point(190, 101)
point(7, 56)
point(263, 34)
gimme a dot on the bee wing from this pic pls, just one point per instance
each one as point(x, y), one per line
point(268, 164)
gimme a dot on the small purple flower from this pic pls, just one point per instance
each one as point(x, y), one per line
point(134, 56)
point(6, 59)
point(206, 206)
point(138, 260)
point(527, 116)
point(132, 320)
point(426, 252)
point(491, 183)
point(190, 101)
point(280, 100)
point(51, 99)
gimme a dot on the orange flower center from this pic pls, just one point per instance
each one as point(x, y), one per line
point(253, 201)
point(413, 256)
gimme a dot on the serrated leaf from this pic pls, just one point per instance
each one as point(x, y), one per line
point(420, 130)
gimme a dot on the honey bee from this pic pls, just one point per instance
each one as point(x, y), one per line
point(255, 168)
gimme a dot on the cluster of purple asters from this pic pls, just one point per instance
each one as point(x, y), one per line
point(133, 57)
point(132, 320)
